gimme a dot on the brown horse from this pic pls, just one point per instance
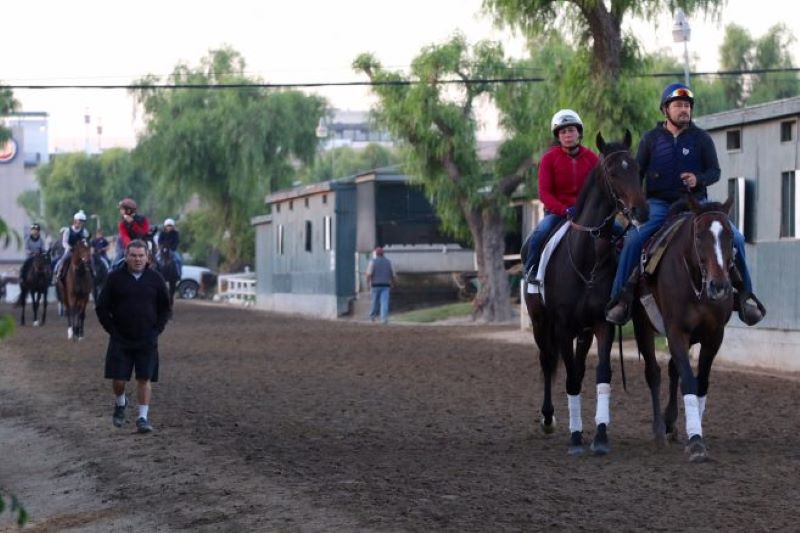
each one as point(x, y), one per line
point(75, 287)
point(692, 290)
point(36, 283)
point(577, 284)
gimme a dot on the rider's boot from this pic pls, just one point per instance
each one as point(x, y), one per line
point(618, 311)
point(751, 310)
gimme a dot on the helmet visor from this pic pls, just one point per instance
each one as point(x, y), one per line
point(680, 92)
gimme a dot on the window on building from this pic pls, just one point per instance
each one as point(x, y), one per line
point(306, 201)
point(308, 235)
point(734, 140)
point(277, 208)
point(326, 222)
point(324, 198)
point(279, 240)
point(291, 205)
point(789, 202)
point(787, 130)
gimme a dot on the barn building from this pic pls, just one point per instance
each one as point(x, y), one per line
point(759, 157)
point(313, 248)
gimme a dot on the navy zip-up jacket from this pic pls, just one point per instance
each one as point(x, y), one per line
point(662, 158)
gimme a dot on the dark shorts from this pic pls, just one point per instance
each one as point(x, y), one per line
point(123, 357)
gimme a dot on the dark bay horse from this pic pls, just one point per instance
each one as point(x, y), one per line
point(100, 271)
point(36, 283)
point(168, 267)
point(75, 288)
point(577, 285)
point(693, 292)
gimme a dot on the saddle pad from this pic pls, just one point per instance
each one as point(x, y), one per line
point(549, 248)
point(658, 244)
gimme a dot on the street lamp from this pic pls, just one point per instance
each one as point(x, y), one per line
point(681, 33)
point(322, 132)
point(97, 221)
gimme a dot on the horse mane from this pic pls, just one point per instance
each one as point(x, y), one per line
point(682, 206)
point(594, 175)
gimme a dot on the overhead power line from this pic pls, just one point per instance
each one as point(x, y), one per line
point(458, 81)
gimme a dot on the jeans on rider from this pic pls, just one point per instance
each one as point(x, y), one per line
point(635, 239)
point(535, 244)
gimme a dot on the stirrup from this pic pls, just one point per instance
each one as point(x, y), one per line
point(618, 312)
point(751, 310)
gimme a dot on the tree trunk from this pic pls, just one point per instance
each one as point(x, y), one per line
point(607, 45)
point(493, 302)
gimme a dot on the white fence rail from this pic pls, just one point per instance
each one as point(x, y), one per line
point(239, 288)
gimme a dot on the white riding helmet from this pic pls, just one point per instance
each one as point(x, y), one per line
point(169, 222)
point(563, 118)
point(80, 215)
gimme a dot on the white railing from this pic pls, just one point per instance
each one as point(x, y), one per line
point(239, 288)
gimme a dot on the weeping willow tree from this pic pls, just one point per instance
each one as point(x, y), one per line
point(227, 147)
point(436, 121)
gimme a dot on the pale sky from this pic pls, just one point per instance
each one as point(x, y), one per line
point(283, 41)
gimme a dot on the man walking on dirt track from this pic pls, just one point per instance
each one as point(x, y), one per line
point(133, 308)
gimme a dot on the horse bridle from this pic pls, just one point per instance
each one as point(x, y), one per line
point(619, 205)
point(595, 231)
point(703, 270)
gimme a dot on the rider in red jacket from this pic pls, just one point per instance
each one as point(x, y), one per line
point(131, 226)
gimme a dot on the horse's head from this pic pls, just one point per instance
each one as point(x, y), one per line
point(713, 246)
point(621, 173)
point(81, 253)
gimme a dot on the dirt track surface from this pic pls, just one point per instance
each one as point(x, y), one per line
point(268, 422)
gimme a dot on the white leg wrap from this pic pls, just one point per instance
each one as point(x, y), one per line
point(575, 421)
point(691, 406)
point(701, 405)
point(603, 415)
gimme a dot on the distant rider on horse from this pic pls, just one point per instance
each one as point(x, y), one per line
point(132, 226)
point(100, 246)
point(169, 237)
point(70, 238)
point(34, 244)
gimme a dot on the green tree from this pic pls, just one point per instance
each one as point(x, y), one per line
point(93, 183)
point(7, 105)
point(592, 24)
point(228, 147)
point(740, 51)
point(437, 124)
point(6, 329)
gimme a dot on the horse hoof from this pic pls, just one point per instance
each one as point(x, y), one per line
point(575, 444)
point(36, 323)
point(69, 333)
point(548, 429)
point(696, 450)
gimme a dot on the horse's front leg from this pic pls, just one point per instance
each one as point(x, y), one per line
point(708, 351)
point(645, 341)
point(671, 412)
point(604, 332)
point(23, 299)
point(44, 307)
point(679, 348)
point(68, 311)
point(575, 367)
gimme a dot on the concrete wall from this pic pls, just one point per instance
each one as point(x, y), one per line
point(15, 178)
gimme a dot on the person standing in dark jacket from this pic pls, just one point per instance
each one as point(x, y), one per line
point(675, 158)
point(380, 280)
point(133, 308)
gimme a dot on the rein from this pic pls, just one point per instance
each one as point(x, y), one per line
point(596, 231)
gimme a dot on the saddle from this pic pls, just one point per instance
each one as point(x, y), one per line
point(553, 240)
point(655, 247)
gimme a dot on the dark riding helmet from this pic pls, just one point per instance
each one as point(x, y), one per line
point(676, 91)
point(128, 203)
point(36, 226)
